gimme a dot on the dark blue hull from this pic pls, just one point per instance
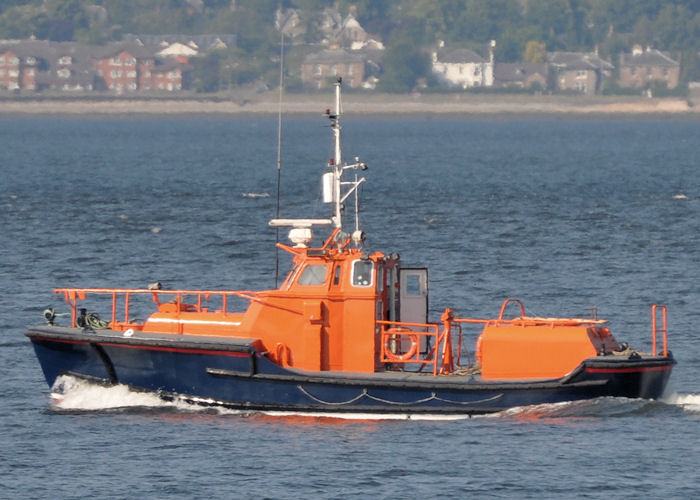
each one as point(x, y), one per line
point(234, 374)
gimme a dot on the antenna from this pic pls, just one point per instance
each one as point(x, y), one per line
point(279, 157)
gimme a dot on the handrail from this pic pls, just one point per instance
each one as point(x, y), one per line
point(146, 291)
point(508, 301)
point(72, 295)
point(440, 355)
point(654, 329)
point(413, 356)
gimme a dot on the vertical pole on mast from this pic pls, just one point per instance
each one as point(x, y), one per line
point(338, 159)
point(279, 157)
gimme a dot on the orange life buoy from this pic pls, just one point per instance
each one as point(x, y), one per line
point(393, 342)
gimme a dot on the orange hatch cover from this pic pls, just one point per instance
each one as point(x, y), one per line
point(530, 349)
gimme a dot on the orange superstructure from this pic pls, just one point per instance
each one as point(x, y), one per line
point(323, 317)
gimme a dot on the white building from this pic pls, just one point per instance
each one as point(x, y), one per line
point(462, 68)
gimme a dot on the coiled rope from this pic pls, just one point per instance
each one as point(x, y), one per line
point(91, 321)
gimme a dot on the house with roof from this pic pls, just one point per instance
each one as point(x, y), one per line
point(328, 23)
point(36, 65)
point(132, 67)
point(168, 75)
point(320, 69)
point(71, 68)
point(17, 69)
point(579, 71)
point(462, 68)
point(520, 75)
point(351, 32)
point(288, 21)
point(124, 67)
point(645, 67)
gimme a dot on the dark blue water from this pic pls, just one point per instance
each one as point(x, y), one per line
point(566, 215)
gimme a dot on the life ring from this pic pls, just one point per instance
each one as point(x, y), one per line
point(393, 342)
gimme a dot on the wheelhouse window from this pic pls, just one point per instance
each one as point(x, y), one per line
point(336, 276)
point(380, 279)
point(313, 274)
point(362, 271)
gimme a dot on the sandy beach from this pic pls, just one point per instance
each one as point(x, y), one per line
point(457, 105)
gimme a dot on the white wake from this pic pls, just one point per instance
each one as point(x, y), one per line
point(689, 402)
point(71, 393)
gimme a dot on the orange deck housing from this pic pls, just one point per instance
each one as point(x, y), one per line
point(327, 325)
point(538, 349)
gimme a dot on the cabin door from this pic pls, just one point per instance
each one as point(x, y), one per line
point(413, 297)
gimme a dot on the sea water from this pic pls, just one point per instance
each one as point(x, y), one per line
point(574, 217)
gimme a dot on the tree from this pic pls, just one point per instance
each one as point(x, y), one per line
point(66, 18)
point(485, 20)
point(508, 49)
point(673, 27)
point(643, 31)
point(535, 52)
point(206, 75)
point(22, 22)
point(404, 64)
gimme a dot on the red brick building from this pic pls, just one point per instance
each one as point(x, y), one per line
point(124, 68)
point(36, 65)
point(136, 68)
point(17, 70)
point(320, 69)
point(168, 76)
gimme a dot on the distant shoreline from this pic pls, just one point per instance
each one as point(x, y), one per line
point(444, 105)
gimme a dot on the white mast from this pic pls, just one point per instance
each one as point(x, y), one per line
point(336, 163)
point(332, 180)
point(332, 188)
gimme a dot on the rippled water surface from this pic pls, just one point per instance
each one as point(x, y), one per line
point(569, 216)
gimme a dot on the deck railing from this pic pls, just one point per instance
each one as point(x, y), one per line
point(195, 300)
point(400, 341)
point(396, 335)
point(655, 309)
point(438, 337)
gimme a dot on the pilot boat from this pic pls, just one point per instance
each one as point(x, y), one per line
point(347, 331)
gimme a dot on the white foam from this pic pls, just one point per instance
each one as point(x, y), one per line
point(70, 393)
point(689, 402)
